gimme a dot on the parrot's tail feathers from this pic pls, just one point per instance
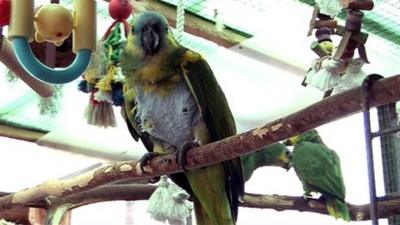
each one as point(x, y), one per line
point(204, 218)
point(338, 209)
point(201, 215)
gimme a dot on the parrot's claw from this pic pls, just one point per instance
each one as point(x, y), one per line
point(307, 197)
point(144, 161)
point(180, 155)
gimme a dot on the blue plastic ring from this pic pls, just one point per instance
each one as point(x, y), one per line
point(44, 73)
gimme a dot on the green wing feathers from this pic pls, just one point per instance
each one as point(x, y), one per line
point(318, 167)
point(218, 118)
point(210, 97)
point(314, 165)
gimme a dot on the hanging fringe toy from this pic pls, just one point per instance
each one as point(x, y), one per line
point(178, 208)
point(330, 7)
point(103, 80)
point(51, 106)
point(353, 77)
point(11, 77)
point(158, 199)
point(324, 73)
point(169, 203)
point(339, 71)
point(96, 70)
point(328, 77)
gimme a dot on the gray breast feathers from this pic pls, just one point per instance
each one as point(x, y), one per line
point(168, 118)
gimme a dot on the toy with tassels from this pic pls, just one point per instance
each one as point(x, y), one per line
point(53, 24)
point(169, 203)
point(103, 79)
point(323, 47)
point(336, 69)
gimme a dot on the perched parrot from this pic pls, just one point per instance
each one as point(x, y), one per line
point(173, 103)
point(318, 168)
point(276, 154)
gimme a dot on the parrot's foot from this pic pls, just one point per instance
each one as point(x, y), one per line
point(144, 161)
point(180, 155)
point(307, 196)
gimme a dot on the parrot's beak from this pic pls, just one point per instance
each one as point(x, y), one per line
point(286, 160)
point(288, 166)
point(150, 41)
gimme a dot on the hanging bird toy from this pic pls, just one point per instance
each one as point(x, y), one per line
point(53, 23)
point(103, 79)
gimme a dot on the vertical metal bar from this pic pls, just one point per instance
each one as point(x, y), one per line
point(370, 164)
point(368, 144)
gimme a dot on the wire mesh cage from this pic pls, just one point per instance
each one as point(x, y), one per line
point(387, 133)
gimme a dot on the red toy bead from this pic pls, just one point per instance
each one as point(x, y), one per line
point(119, 9)
point(5, 8)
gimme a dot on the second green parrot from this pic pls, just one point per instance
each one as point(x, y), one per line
point(319, 170)
point(173, 103)
point(276, 154)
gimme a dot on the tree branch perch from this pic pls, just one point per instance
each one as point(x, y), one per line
point(384, 91)
point(134, 192)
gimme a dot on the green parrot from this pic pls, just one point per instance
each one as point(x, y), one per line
point(318, 168)
point(174, 103)
point(276, 154)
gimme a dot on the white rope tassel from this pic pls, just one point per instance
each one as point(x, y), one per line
point(122, 29)
point(180, 20)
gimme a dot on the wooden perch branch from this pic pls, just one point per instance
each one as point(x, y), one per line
point(330, 109)
point(133, 192)
point(386, 208)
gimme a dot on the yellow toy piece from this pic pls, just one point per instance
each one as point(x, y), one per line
point(328, 46)
point(53, 23)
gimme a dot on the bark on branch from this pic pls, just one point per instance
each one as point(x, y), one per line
point(327, 110)
point(133, 192)
point(386, 208)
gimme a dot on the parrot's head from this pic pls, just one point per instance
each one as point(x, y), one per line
point(274, 155)
point(279, 156)
point(309, 136)
point(150, 32)
point(284, 159)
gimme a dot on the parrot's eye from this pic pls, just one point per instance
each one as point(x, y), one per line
point(166, 28)
point(132, 29)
